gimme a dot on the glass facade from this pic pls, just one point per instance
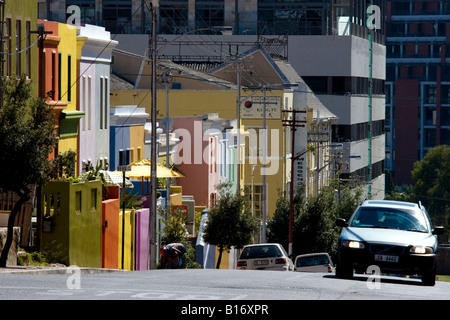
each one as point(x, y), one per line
point(264, 17)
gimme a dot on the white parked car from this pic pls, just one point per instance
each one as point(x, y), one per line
point(266, 256)
point(314, 262)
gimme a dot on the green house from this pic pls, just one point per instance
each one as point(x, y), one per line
point(72, 222)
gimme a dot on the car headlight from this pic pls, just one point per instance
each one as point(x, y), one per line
point(353, 244)
point(421, 250)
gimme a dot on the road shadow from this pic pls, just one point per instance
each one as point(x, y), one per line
point(383, 279)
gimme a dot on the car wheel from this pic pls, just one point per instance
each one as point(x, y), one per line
point(429, 278)
point(344, 271)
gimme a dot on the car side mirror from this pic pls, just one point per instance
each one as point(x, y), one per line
point(340, 222)
point(438, 230)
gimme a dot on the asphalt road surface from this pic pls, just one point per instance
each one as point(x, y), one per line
point(218, 285)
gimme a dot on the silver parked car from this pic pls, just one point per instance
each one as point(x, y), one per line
point(395, 236)
point(266, 256)
point(314, 262)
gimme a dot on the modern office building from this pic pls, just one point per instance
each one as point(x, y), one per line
point(417, 82)
point(267, 17)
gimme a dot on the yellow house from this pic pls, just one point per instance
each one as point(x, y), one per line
point(69, 53)
point(20, 45)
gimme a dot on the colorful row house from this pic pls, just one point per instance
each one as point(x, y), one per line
point(69, 66)
point(76, 83)
point(93, 80)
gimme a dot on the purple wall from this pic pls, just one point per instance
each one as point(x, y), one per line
point(142, 238)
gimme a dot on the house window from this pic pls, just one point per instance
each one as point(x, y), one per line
point(83, 103)
point(8, 43)
point(28, 52)
point(69, 78)
point(59, 76)
point(105, 102)
point(78, 202)
point(257, 200)
point(94, 199)
point(101, 103)
point(89, 103)
point(124, 157)
point(18, 47)
point(54, 77)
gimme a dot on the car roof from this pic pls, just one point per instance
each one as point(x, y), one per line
point(313, 254)
point(390, 203)
point(262, 244)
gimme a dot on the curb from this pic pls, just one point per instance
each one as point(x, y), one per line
point(54, 270)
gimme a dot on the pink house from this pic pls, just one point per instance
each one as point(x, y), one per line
point(197, 155)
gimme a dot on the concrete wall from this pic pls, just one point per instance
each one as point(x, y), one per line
point(110, 233)
point(12, 254)
point(73, 222)
point(142, 238)
point(127, 221)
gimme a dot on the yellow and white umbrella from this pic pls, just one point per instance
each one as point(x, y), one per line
point(142, 169)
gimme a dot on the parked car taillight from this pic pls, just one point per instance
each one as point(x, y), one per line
point(242, 263)
point(280, 261)
point(330, 269)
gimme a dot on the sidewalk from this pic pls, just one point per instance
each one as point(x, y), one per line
point(57, 269)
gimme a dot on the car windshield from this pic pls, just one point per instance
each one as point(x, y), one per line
point(260, 252)
point(312, 261)
point(390, 218)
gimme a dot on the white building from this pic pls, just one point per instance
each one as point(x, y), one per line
point(94, 88)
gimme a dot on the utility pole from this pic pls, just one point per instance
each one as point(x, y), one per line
point(239, 63)
point(41, 91)
point(369, 133)
point(167, 125)
point(293, 124)
point(238, 115)
point(2, 52)
point(154, 159)
point(264, 188)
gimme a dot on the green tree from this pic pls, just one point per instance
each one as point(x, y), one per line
point(314, 219)
point(175, 231)
point(431, 177)
point(27, 137)
point(230, 223)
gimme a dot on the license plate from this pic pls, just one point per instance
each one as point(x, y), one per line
point(386, 258)
point(261, 262)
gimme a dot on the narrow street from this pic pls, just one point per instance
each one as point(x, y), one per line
point(217, 285)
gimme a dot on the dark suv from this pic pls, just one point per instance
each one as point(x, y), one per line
point(396, 236)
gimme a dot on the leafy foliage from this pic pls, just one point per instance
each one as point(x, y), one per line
point(64, 165)
point(27, 137)
point(431, 178)
point(314, 219)
point(175, 231)
point(431, 187)
point(230, 223)
point(131, 201)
